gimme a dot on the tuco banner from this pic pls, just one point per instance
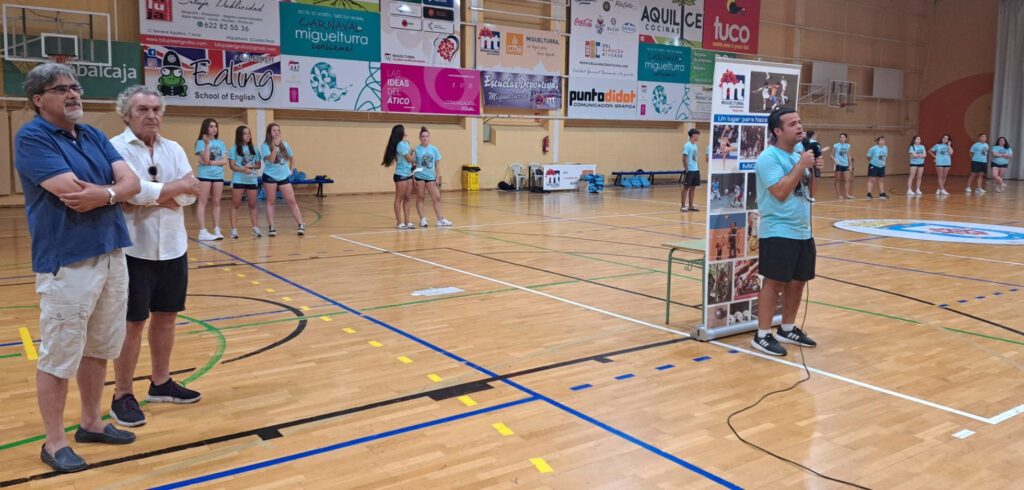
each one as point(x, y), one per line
point(732, 25)
point(521, 90)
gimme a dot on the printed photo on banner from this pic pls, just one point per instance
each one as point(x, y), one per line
point(423, 32)
point(727, 194)
point(661, 21)
point(770, 91)
point(732, 25)
point(728, 235)
point(719, 284)
point(317, 83)
point(424, 89)
point(213, 77)
point(666, 101)
point(521, 90)
point(739, 312)
point(751, 194)
point(323, 32)
point(518, 50)
point(596, 98)
point(746, 282)
point(227, 25)
point(604, 39)
point(725, 155)
point(752, 142)
point(754, 305)
point(753, 231)
point(99, 82)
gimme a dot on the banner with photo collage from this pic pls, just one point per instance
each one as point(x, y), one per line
point(223, 54)
point(330, 57)
point(744, 93)
point(604, 39)
point(421, 32)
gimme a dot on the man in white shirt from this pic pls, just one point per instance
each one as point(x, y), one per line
point(157, 260)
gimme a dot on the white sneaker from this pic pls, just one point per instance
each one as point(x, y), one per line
point(980, 191)
point(910, 192)
point(918, 192)
point(234, 233)
point(967, 190)
point(945, 192)
point(206, 236)
point(400, 226)
point(423, 222)
point(443, 222)
point(938, 192)
point(256, 232)
point(216, 233)
point(410, 225)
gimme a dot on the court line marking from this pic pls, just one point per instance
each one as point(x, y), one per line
point(677, 332)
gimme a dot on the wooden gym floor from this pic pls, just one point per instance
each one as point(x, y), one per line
point(552, 367)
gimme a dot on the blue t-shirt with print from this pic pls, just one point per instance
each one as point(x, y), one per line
point(942, 158)
point(690, 156)
point(979, 152)
point(1005, 160)
point(791, 217)
point(877, 155)
point(278, 170)
point(217, 151)
point(60, 235)
point(426, 162)
point(918, 149)
point(842, 153)
point(402, 166)
point(246, 158)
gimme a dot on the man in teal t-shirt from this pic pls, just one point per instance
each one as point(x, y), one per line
point(691, 172)
point(979, 164)
point(786, 251)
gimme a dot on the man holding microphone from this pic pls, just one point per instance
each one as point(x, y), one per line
point(785, 184)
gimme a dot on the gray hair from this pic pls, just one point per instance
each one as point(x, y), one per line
point(43, 75)
point(124, 99)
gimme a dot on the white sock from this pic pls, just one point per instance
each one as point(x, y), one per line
point(786, 327)
point(763, 333)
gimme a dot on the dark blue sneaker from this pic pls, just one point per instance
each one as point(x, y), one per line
point(126, 411)
point(796, 336)
point(768, 345)
point(171, 392)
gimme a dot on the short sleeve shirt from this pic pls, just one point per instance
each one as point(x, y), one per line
point(217, 152)
point(1001, 160)
point(791, 217)
point(979, 152)
point(877, 155)
point(916, 149)
point(842, 153)
point(426, 159)
point(277, 170)
point(403, 168)
point(942, 157)
point(241, 160)
point(690, 155)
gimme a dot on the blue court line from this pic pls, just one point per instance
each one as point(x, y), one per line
point(489, 373)
point(667, 366)
point(624, 376)
point(581, 387)
point(341, 445)
point(701, 358)
point(943, 274)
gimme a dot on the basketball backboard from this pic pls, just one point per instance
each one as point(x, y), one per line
point(39, 34)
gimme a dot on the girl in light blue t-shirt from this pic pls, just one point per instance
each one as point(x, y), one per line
point(1001, 154)
point(398, 153)
point(917, 153)
point(979, 164)
point(278, 165)
point(877, 156)
point(942, 152)
point(844, 161)
point(213, 155)
point(428, 179)
point(245, 164)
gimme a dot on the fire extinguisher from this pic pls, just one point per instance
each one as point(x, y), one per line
point(546, 144)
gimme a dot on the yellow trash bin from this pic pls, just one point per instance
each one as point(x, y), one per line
point(470, 177)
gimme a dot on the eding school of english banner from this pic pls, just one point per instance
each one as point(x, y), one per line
point(739, 134)
point(521, 90)
point(604, 39)
point(421, 32)
point(424, 89)
point(516, 49)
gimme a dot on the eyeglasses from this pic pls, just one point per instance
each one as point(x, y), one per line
point(63, 89)
point(153, 171)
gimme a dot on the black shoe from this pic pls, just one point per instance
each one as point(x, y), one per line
point(796, 336)
point(768, 345)
point(110, 435)
point(883, 196)
point(171, 392)
point(272, 231)
point(63, 461)
point(126, 412)
point(869, 195)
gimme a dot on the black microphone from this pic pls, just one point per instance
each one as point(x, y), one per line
point(816, 148)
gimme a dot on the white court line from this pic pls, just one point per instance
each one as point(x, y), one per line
point(462, 227)
point(677, 332)
point(904, 210)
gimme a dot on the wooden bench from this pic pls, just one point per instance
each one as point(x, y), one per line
point(650, 174)
point(319, 184)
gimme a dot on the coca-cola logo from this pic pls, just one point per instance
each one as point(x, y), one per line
point(578, 22)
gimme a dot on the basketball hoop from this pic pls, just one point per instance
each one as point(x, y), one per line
point(61, 58)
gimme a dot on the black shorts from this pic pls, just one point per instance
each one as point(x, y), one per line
point(270, 180)
point(426, 180)
point(401, 178)
point(691, 178)
point(204, 179)
point(1000, 165)
point(786, 259)
point(979, 167)
point(156, 285)
point(917, 165)
point(248, 187)
point(874, 171)
point(842, 168)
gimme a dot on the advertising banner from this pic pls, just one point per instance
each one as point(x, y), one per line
point(601, 98)
point(324, 32)
point(565, 177)
point(212, 77)
point(738, 136)
point(732, 25)
point(99, 82)
point(661, 21)
point(250, 25)
point(421, 32)
point(604, 39)
point(316, 83)
point(660, 63)
point(424, 89)
point(693, 23)
point(702, 65)
point(515, 49)
point(659, 101)
point(521, 90)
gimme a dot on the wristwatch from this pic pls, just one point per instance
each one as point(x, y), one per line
point(113, 196)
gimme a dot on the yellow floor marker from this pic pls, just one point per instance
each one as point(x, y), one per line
point(346, 330)
point(286, 298)
point(467, 400)
point(225, 269)
point(255, 282)
point(209, 263)
point(542, 466)
point(325, 318)
point(405, 360)
point(270, 290)
point(502, 429)
point(240, 275)
point(375, 343)
point(435, 378)
point(304, 308)
point(30, 348)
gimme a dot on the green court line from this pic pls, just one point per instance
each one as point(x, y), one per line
point(983, 336)
point(218, 353)
point(10, 355)
point(25, 307)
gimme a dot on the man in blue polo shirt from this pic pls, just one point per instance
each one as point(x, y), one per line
point(786, 249)
point(73, 181)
